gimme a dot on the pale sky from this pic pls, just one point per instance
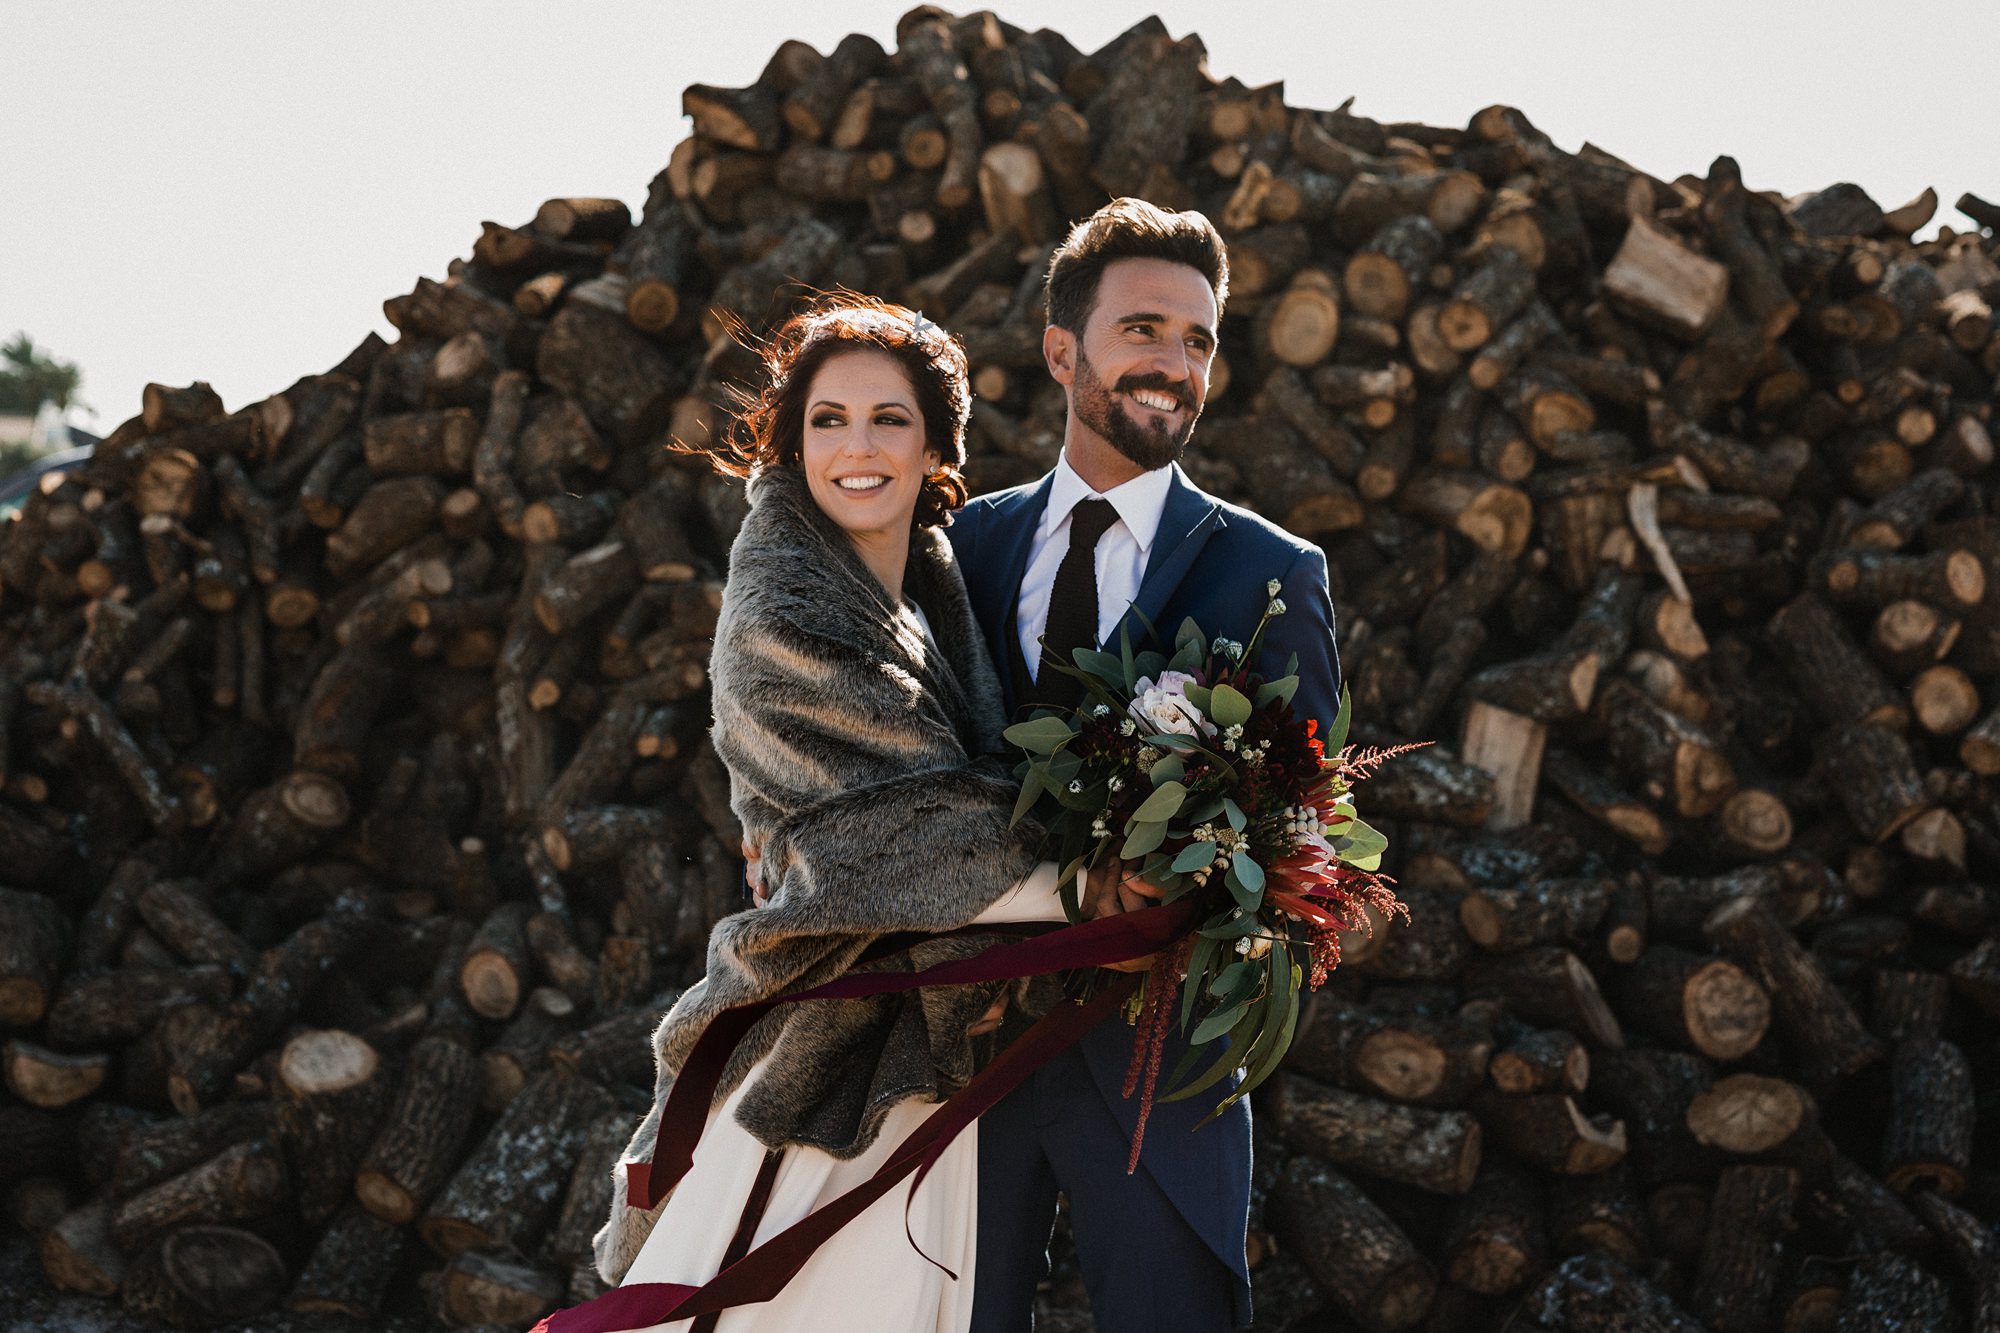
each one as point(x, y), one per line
point(228, 191)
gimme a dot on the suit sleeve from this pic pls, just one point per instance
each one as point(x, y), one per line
point(1306, 629)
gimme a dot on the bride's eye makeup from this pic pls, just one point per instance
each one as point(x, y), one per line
point(826, 420)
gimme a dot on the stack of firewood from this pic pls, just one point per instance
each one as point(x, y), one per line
point(357, 820)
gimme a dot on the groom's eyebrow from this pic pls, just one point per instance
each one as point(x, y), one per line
point(1154, 317)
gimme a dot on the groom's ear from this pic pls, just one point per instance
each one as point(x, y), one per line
point(1059, 350)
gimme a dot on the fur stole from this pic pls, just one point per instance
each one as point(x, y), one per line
point(854, 754)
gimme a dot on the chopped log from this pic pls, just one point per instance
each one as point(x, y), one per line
point(239, 1184)
point(1888, 1291)
point(1548, 1130)
point(1673, 760)
point(1751, 1115)
point(1931, 1118)
point(494, 973)
point(1557, 415)
point(1681, 903)
point(1303, 320)
point(504, 1191)
point(1973, 1246)
point(1652, 1089)
point(1596, 1291)
point(1432, 1150)
point(1406, 1058)
point(1950, 580)
point(492, 1289)
point(1599, 1213)
point(1497, 359)
point(280, 826)
point(51, 1079)
point(1825, 1033)
point(120, 1006)
point(78, 1254)
point(350, 1268)
point(1736, 1281)
point(205, 1277)
point(1892, 522)
point(329, 1091)
point(1540, 1060)
point(591, 1183)
point(33, 934)
point(1708, 1005)
point(1393, 266)
point(1659, 282)
point(522, 1050)
point(1496, 1239)
point(151, 1153)
point(1554, 911)
point(1874, 770)
point(1486, 300)
point(1350, 1246)
point(1550, 986)
point(421, 1132)
point(1493, 516)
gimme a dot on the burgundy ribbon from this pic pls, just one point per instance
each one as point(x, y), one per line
point(763, 1272)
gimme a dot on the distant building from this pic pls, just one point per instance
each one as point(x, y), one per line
point(46, 432)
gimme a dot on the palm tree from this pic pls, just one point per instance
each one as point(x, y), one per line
point(29, 377)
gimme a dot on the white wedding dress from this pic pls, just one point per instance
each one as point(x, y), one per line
point(866, 1278)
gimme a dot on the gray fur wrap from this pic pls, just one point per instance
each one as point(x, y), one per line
point(854, 755)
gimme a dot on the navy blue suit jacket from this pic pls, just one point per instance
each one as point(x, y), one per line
point(1211, 561)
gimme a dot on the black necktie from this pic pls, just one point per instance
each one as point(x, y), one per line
point(1072, 622)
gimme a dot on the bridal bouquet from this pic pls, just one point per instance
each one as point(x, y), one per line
point(1195, 773)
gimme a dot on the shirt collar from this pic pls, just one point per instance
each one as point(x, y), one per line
point(1139, 502)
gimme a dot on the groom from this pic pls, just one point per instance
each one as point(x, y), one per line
point(1135, 296)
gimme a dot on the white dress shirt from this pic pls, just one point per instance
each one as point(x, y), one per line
point(1121, 552)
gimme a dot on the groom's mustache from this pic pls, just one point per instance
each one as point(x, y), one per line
point(1176, 389)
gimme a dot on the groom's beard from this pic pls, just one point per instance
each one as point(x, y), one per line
point(1151, 445)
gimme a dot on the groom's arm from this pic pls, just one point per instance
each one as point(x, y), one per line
point(1306, 629)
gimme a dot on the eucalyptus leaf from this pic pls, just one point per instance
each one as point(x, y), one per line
point(1162, 805)
point(1217, 1023)
point(1198, 961)
point(1104, 666)
point(1171, 769)
point(1228, 706)
point(1248, 871)
point(1194, 856)
point(1198, 695)
point(1190, 634)
point(1336, 739)
point(1282, 690)
point(1364, 846)
point(1143, 838)
point(1039, 735)
point(1031, 788)
point(1225, 1064)
point(1237, 819)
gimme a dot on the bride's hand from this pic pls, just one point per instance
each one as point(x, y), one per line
point(1108, 891)
point(989, 1020)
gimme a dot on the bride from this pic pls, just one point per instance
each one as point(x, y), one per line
point(853, 700)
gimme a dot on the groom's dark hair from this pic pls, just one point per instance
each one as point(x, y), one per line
point(1130, 229)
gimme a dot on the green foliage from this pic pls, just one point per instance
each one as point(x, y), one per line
point(30, 377)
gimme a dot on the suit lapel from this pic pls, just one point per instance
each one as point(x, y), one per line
point(1015, 529)
point(1187, 520)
